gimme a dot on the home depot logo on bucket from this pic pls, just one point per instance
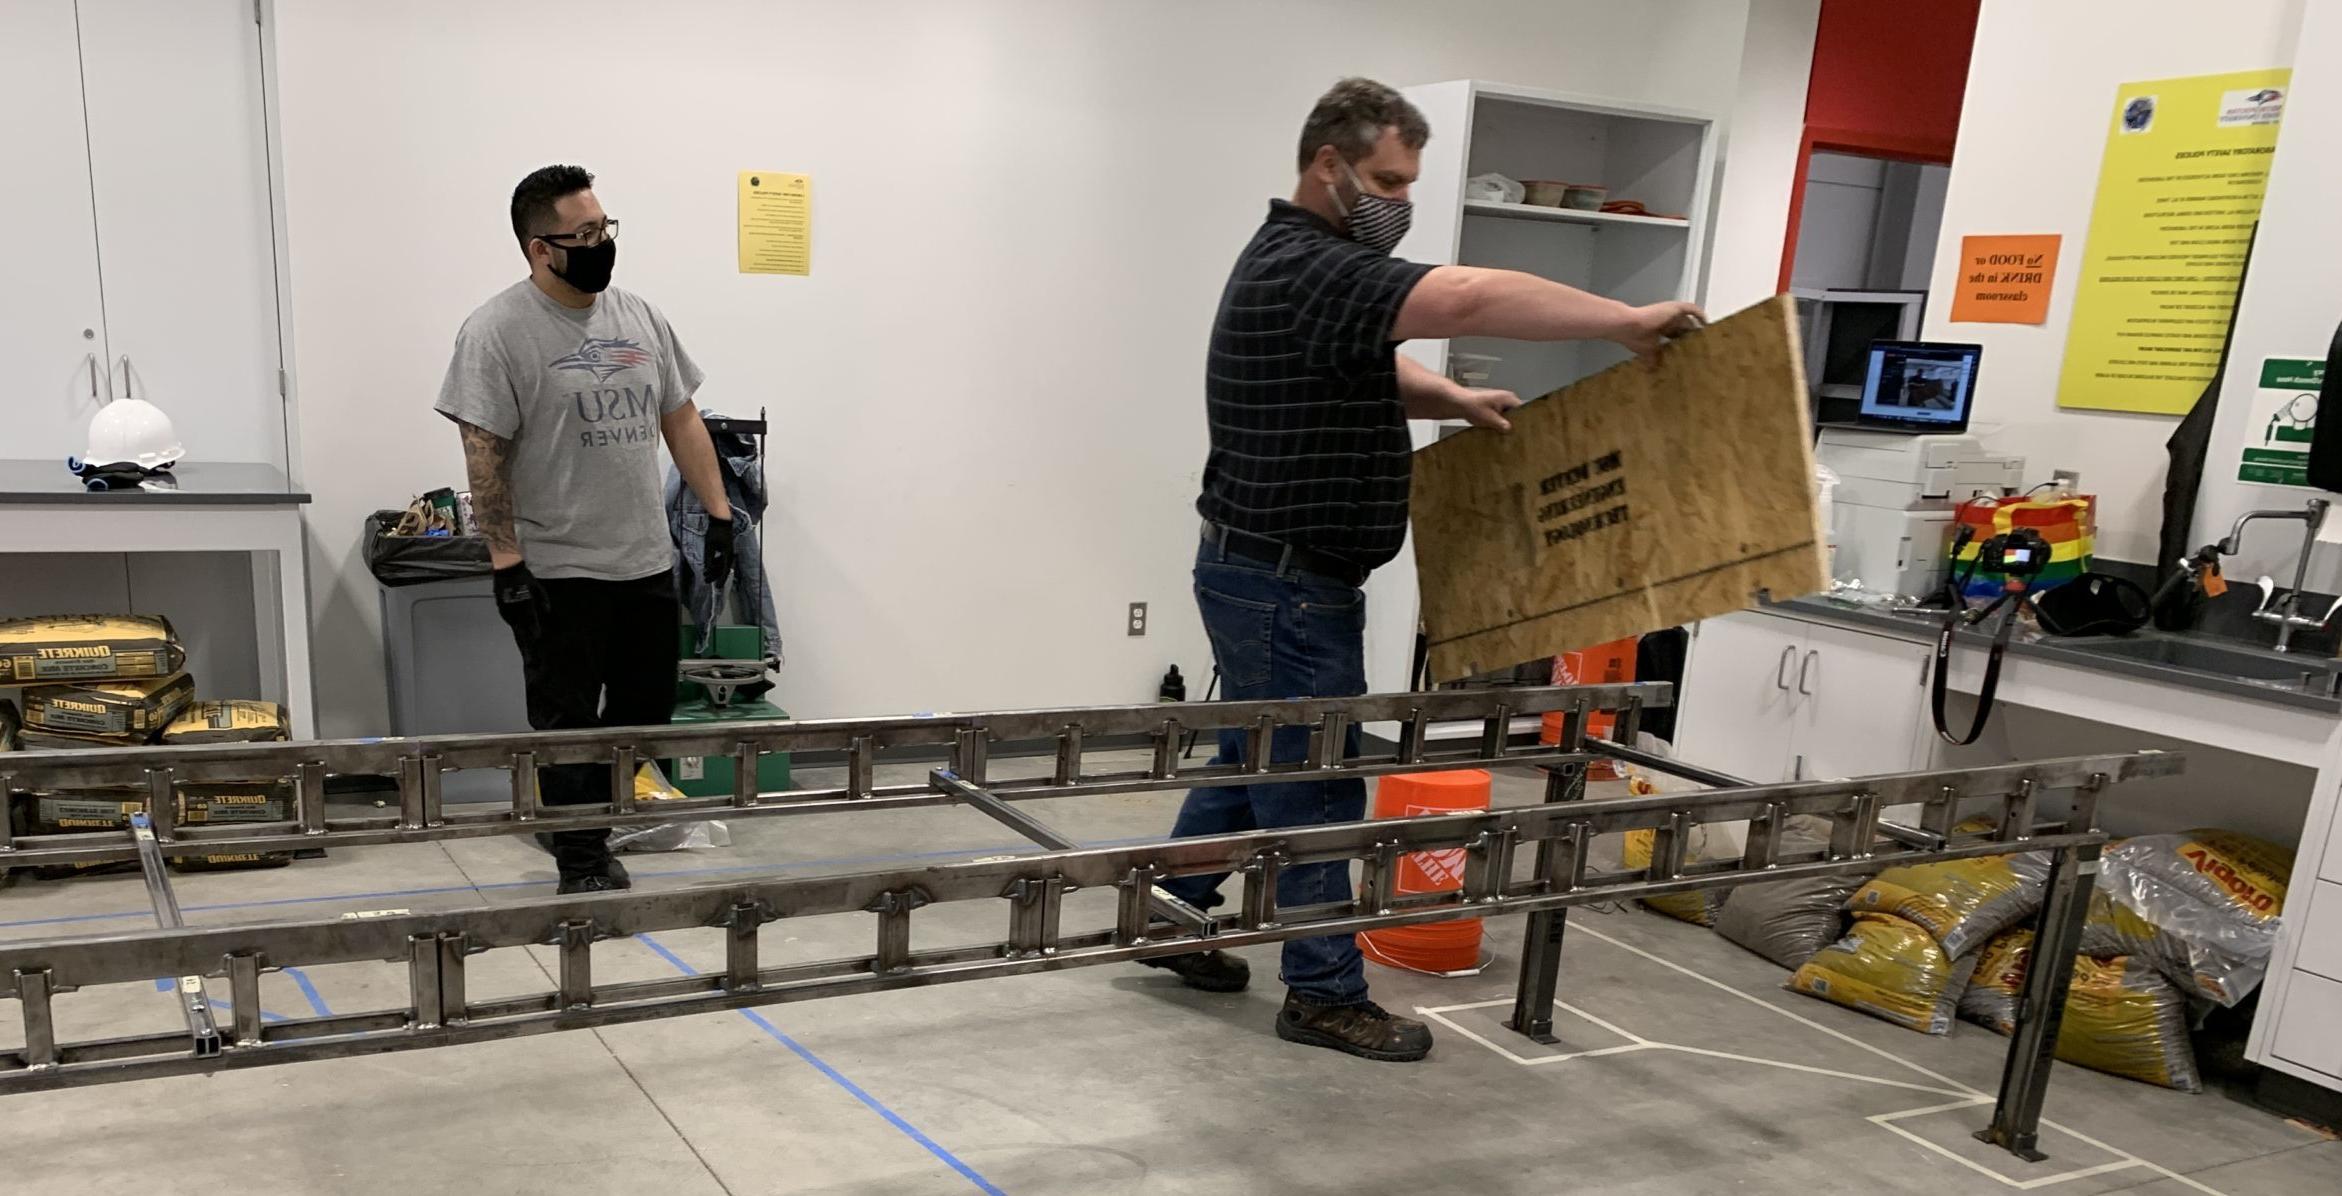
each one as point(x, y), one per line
point(1603, 664)
point(1430, 871)
point(1437, 947)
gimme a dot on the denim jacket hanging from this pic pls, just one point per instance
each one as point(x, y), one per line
point(687, 521)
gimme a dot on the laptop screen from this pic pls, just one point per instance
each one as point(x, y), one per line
point(1918, 386)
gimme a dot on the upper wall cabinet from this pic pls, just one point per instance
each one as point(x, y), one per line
point(1658, 159)
point(140, 202)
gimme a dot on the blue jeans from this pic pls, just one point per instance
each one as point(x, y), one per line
point(1279, 635)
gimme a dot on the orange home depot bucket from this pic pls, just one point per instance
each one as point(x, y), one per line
point(1602, 664)
point(1437, 946)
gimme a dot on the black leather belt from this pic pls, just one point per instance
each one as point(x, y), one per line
point(1279, 555)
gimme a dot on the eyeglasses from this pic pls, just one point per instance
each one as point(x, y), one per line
point(595, 235)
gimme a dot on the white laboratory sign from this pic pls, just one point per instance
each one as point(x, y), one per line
point(2284, 417)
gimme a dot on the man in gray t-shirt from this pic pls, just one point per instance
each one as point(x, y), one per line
point(564, 389)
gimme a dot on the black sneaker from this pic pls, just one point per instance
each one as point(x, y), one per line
point(609, 879)
point(1365, 1030)
point(1210, 971)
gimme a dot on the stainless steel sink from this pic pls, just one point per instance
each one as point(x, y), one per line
point(2309, 673)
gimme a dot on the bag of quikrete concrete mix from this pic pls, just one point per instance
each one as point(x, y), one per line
point(2201, 906)
point(1890, 969)
point(1786, 921)
point(1963, 903)
point(87, 648)
point(228, 722)
point(2122, 1017)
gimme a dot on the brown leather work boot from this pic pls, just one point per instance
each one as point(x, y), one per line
point(1365, 1030)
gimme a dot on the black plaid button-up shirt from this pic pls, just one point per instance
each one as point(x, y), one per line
point(1309, 441)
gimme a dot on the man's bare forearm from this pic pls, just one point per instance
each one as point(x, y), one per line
point(1472, 301)
point(1423, 392)
point(695, 458)
point(488, 466)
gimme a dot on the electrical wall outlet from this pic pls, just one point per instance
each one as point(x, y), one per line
point(2069, 478)
point(1138, 618)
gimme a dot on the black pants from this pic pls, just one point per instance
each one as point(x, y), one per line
point(606, 658)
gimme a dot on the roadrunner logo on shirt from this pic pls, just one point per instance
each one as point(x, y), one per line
point(603, 358)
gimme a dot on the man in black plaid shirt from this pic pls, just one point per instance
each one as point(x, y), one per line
point(1305, 492)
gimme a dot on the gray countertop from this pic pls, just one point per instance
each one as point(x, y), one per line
point(49, 483)
point(2141, 656)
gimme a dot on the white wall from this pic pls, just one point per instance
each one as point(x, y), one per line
point(2289, 306)
point(1761, 136)
point(987, 400)
point(2032, 132)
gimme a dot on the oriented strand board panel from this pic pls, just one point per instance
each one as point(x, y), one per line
point(1642, 497)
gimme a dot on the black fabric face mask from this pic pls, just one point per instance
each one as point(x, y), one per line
point(2092, 604)
point(589, 267)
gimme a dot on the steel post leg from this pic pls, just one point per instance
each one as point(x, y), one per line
point(2065, 906)
point(1541, 947)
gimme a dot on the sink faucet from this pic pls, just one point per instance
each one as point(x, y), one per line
point(2285, 614)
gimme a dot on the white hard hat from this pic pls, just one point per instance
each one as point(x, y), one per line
point(130, 432)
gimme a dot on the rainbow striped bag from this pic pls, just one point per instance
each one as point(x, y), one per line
point(2065, 522)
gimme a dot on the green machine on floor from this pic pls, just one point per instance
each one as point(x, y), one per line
point(711, 776)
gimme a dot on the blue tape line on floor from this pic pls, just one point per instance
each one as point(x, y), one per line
point(316, 1001)
point(164, 986)
point(836, 1077)
point(711, 870)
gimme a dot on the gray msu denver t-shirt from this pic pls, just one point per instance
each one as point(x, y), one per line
point(579, 394)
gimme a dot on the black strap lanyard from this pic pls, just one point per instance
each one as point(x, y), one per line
point(1953, 621)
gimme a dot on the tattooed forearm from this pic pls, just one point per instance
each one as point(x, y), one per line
point(487, 463)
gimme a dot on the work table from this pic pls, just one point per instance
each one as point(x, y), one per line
point(2188, 660)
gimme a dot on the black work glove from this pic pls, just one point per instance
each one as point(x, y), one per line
point(522, 602)
point(716, 557)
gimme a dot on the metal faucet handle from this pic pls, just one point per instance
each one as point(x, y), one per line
point(2286, 618)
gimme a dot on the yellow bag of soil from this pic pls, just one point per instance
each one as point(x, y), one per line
point(87, 648)
point(1699, 907)
point(1890, 969)
point(136, 709)
point(2201, 906)
point(2121, 1017)
point(229, 722)
point(1963, 903)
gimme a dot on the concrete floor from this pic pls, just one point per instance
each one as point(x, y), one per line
point(1685, 1067)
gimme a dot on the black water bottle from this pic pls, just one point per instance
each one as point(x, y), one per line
point(1174, 687)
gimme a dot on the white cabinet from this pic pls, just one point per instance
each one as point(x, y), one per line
point(1662, 158)
point(2309, 1035)
point(1734, 712)
point(1768, 698)
point(52, 326)
point(142, 223)
point(1861, 705)
point(186, 235)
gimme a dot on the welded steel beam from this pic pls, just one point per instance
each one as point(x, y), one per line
point(417, 767)
point(434, 945)
point(203, 1032)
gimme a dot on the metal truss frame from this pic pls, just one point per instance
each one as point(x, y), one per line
point(1147, 922)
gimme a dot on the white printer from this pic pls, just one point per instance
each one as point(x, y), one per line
point(1896, 498)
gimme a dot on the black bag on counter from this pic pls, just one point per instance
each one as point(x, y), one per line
point(411, 560)
point(2093, 604)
